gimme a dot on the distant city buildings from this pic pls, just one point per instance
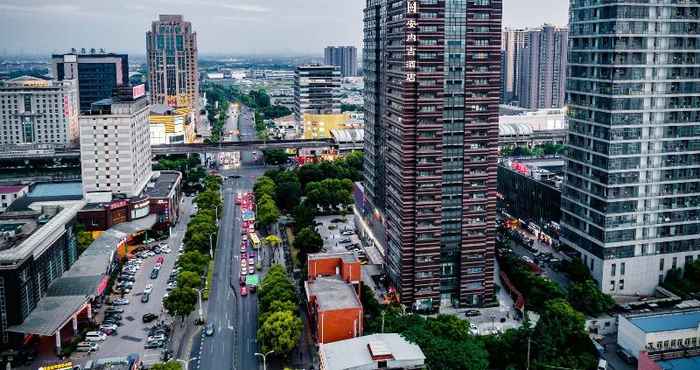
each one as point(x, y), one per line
point(171, 48)
point(431, 141)
point(98, 73)
point(343, 57)
point(630, 192)
point(38, 111)
point(115, 147)
point(316, 90)
point(534, 62)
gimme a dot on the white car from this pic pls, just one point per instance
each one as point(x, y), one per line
point(154, 338)
point(109, 326)
point(148, 289)
point(166, 250)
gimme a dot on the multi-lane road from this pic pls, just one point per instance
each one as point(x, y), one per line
point(233, 344)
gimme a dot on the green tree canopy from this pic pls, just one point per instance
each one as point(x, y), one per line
point(208, 200)
point(307, 241)
point(588, 298)
point(194, 261)
point(264, 186)
point(280, 332)
point(181, 302)
point(189, 279)
point(275, 156)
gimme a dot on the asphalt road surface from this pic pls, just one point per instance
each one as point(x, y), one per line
point(233, 344)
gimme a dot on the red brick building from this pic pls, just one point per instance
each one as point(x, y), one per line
point(333, 296)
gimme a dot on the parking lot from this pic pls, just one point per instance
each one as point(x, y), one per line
point(132, 334)
point(338, 234)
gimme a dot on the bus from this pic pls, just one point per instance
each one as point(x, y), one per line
point(254, 240)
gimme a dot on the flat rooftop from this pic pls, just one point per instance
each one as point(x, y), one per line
point(160, 186)
point(56, 189)
point(345, 256)
point(667, 321)
point(363, 352)
point(688, 363)
point(333, 294)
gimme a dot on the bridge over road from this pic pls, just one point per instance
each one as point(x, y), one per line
point(248, 145)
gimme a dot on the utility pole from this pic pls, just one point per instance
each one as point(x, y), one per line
point(528, 353)
point(383, 312)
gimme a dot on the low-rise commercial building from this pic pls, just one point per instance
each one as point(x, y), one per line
point(376, 351)
point(659, 332)
point(529, 189)
point(37, 246)
point(170, 125)
point(161, 197)
point(333, 296)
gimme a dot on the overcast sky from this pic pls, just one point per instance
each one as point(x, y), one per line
point(223, 26)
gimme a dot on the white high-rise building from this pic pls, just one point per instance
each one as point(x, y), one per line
point(115, 148)
point(38, 111)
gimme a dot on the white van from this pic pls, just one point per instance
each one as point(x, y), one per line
point(87, 347)
point(95, 336)
point(602, 365)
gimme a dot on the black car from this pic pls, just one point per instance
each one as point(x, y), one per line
point(113, 315)
point(112, 321)
point(154, 274)
point(109, 310)
point(472, 313)
point(145, 297)
point(149, 317)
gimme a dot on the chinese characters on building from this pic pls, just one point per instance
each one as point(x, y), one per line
point(411, 41)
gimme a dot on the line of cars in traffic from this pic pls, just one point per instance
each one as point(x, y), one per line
point(249, 241)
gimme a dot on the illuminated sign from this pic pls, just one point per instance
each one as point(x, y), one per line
point(65, 365)
point(118, 204)
point(411, 40)
point(138, 91)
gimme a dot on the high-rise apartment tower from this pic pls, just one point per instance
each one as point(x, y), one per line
point(344, 57)
point(431, 102)
point(630, 202)
point(172, 62)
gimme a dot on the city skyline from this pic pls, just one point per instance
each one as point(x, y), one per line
point(63, 26)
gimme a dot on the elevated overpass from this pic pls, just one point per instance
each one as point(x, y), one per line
point(247, 145)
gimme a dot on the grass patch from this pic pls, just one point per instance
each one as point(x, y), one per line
point(210, 278)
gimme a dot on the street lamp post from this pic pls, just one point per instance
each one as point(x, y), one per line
point(264, 357)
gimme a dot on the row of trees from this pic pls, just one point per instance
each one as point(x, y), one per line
point(199, 238)
point(536, 151)
point(189, 165)
point(265, 191)
point(279, 325)
point(684, 282)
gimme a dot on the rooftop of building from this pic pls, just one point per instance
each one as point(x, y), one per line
point(687, 363)
point(166, 110)
point(57, 189)
point(361, 352)
point(92, 52)
point(11, 189)
point(548, 171)
point(162, 183)
point(344, 256)
point(333, 294)
point(348, 135)
point(41, 223)
point(29, 82)
point(514, 129)
point(669, 321)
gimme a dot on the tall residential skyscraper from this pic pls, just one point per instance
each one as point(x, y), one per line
point(172, 62)
point(38, 111)
point(542, 69)
point(344, 57)
point(513, 41)
point(630, 200)
point(316, 90)
point(98, 73)
point(431, 102)
point(115, 147)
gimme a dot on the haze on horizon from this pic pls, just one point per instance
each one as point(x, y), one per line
point(235, 27)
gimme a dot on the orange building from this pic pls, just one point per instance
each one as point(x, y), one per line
point(333, 293)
